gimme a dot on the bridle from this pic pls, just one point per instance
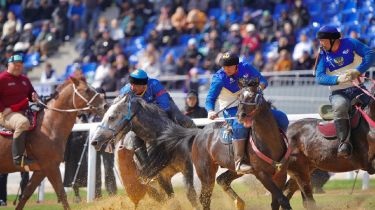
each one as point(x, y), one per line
point(257, 101)
point(126, 119)
point(88, 106)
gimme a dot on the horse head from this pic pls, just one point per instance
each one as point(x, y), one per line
point(117, 121)
point(250, 100)
point(83, 97)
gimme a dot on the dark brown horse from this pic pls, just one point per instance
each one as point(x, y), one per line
point(46, 144)
point(132, 114)
point(208, 151)
point(312, 151)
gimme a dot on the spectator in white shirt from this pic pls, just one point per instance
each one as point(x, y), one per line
point(48, 74)
point(101, 72)
point(303, 45)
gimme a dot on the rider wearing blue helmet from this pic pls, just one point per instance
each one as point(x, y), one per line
point(340, 62)
point(152, 92)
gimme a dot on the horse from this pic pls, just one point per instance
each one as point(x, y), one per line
point(209, 152)
point(147, 121)
point(313, 151)
point(46, 143)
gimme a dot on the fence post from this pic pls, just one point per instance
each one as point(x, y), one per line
point(91, 168)
point(41, 191)
point(365, 181)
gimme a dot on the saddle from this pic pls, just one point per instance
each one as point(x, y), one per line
point(31, 116)
point(226, 132)
point(327, 128)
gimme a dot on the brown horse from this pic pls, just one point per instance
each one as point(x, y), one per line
point(208, 151)
point(46, 143)
point(312, 151)
point(131, 114)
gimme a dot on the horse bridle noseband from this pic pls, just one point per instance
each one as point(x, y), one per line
point(127, 118)
point(258, 100)
point(75, 92)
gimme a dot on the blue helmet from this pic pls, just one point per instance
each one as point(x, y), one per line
point(138, 77)
point(328, 32)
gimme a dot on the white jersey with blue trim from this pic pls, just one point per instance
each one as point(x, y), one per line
point(225, 88)
point(351, 54)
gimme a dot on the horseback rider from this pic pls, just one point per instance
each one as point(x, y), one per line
point(224, 88)
point(152, 91)
point(16, 91)
point(341, 61)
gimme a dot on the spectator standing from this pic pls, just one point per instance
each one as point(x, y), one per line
point(75, 13)
point(299, 15)
point(192, 108)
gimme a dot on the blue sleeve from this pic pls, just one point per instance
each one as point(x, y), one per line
point(321, 76)
point(161, 95)
point(256, 74)
point(367, 54)
point(213, 92)
point(124, 90)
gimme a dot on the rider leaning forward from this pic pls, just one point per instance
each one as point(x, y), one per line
point(225, 89)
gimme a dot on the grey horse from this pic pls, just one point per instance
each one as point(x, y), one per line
point(147, 121)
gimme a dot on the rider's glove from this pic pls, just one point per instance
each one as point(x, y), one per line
point(344, 78)
point(353, 73)
point(212, 115)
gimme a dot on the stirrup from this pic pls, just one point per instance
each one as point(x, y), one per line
point(244, 168)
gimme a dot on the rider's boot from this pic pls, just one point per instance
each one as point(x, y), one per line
point(140, 151)
point(18, 148)
point(239, 150)
point(343, 135)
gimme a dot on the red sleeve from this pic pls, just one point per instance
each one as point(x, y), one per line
point(2, 106)
point(31, 90)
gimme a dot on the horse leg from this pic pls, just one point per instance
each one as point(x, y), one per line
point(206, 171)
point(280, 180)
point(304, 182)
point(77, 198)
point(224, 180)
point(54, 176)
point(191, 194)
point(166, 184)
point(34, 182)
point(277, 196)
point(290, 188)
point(154, 194)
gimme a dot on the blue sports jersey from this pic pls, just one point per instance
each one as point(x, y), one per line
point(352, 54)
point(225, 88)
point(155, 93)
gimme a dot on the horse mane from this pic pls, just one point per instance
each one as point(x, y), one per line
point(150, 107)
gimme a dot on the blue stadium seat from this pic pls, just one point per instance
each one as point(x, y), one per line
point(349, 5)
point(32, 60)
point(350, 17)
point(89, 67)
point(216, 12)
point(278, 9)
point(315, 8)
point(17, 10)
point(148, 28)
point(185, 38)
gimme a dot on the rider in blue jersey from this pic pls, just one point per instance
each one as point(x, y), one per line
point(152, 92)
point(225, 89)
point(339, 64)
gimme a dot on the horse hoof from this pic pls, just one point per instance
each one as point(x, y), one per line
point(77, 199)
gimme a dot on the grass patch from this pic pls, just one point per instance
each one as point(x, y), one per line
point(256, 198)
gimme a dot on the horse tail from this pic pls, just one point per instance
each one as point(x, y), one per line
point(173, 139)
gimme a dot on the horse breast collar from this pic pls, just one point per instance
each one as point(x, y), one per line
point(276, 164)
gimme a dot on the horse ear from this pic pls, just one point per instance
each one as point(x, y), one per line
point(254, 82)
point(74, 81)
point(243, 82)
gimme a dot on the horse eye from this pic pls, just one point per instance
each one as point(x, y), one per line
point(111, 118)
